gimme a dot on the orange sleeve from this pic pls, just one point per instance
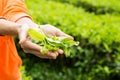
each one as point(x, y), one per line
point(14, 10)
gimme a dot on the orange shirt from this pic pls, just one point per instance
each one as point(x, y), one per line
point(10, 62)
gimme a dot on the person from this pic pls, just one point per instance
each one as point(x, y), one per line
point(15, 21)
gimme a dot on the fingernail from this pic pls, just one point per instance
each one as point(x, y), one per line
point(70, 37)
point(20, 42)
point(60, 51)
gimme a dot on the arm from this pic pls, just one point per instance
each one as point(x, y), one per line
point(32, 48)
point(19, 14)
point(11, 28)
point(8, 28)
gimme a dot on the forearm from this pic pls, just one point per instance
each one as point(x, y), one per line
point(27, 20)
point(8, 28)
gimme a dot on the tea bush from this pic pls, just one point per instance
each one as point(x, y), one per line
point(96, 58)
point(96, 6)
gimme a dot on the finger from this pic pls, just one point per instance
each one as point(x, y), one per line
point(52, 55)
point(49, 55)
point(30, 46)
point(60, 51)
point(38, 54)
point(56, 53)
point(23, 33)
point(62, 34)
point(69, 37)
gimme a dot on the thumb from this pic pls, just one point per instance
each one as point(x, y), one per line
point(62, 34)
point(69, 37)
point(23, 32)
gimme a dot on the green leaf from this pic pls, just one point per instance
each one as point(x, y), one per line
point(37, 35)
point(52, 43)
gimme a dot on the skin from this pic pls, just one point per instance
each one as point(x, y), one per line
point(20, 29)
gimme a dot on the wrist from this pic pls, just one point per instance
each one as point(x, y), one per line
point(18, 29)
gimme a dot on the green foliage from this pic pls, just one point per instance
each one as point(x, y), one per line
point(95, 6)
point(97, 29)
point(98, 55)
point(36, 35)
point(52, 43)
point(113, 4)
point(24, 76)
point(46, 71)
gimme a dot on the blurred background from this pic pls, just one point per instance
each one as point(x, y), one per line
point(94, 23)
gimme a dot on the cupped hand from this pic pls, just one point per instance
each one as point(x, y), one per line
point(29, 47)
point(32, 48)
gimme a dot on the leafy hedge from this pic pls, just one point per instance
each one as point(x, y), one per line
point(96, 6)
point(113, 4)
point(96, 58)
point(100, 29)
point(23, 72)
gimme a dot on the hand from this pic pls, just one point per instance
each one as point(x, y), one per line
point(53, 31)
point(32, 48)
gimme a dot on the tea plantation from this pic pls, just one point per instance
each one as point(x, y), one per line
point(94, 23)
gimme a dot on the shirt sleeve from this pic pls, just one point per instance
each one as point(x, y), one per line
point(1, 17)
point(14, 10)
